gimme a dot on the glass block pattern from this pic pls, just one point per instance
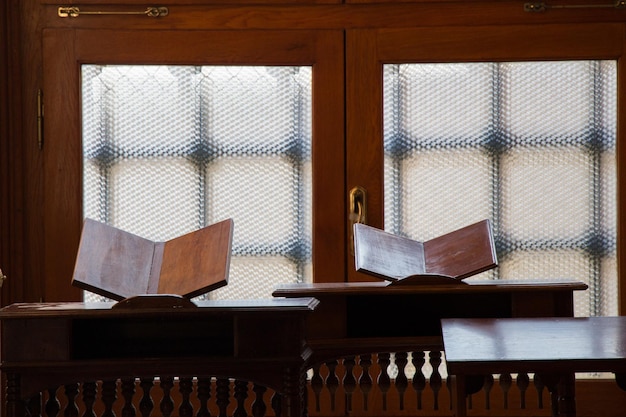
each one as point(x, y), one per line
point(170, 149)
point(529, 145)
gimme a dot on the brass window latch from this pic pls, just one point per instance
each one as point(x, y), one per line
point(541, 6)
point(357, 212)
point(74, 11)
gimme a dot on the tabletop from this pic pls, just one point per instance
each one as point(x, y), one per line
point(553, 344)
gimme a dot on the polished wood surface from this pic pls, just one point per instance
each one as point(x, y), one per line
point(356, 318)
point(45, 345)
point(547, 346)
point(550, 344)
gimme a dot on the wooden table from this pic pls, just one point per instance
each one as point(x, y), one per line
point(49, 344)
point(547, 346)
point(371, 317)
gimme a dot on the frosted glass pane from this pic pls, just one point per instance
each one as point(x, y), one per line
point(170, 149)
point(529, 145)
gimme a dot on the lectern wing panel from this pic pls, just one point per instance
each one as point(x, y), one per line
point(386, 255)
point(198, 262)
point(111, 262)
point(463, 252)
point(118, 265)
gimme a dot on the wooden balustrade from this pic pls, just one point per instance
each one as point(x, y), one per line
point(384, 384)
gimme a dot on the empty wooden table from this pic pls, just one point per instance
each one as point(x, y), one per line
point(547, 346)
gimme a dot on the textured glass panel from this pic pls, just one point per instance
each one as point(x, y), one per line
point(535, 207)
point(170, 149)
point(467, 190)
point(529, 145)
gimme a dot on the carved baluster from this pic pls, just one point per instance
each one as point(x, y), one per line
point(277, 404)
point(435, 377)
point(551, 382)
point(522, 383)
point(419, 380)
point(258, 406)
point(71, 391)
point(146, 405)
point(109, 396)
point(332, 382)
point(204, 394)
point(33, 406)
point(401, 381)
point(487, 386)
point(317, 383)
point(167, 404)
point(128, 390)
point(185, 386)
point(53, 406)
point(505, 383)
point(222, 391)
point(539, 386)
point(241, 393)
point(349, 382)
point(469, 398)
point(89, 398)
point(365, 380)
point(384, 382)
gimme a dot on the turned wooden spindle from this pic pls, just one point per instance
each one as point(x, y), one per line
point(506, 381)
point(241, 393)
point(384, 382)
point(33, 406)
point(317, 384)
point(402, 382)
point(523, 381)
point(434, 357)
point(277, 404)
point(146, 405)
point(349, 382)
point(419, 379)
point(204, 394)
point(185, 386)
point(222, 396)
point(53, 406)
point(539, 386)
point(167, 404)
point(487, 386)
point(332, 382)
point(128, 391)
point(109, 395)
point(258, 406)
point(365, 380)
point(89, 398)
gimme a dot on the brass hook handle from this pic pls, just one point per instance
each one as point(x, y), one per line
point(357, 212)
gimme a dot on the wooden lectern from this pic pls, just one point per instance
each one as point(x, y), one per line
point(118, 265)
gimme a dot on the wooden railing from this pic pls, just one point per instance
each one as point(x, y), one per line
point(405, 383)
